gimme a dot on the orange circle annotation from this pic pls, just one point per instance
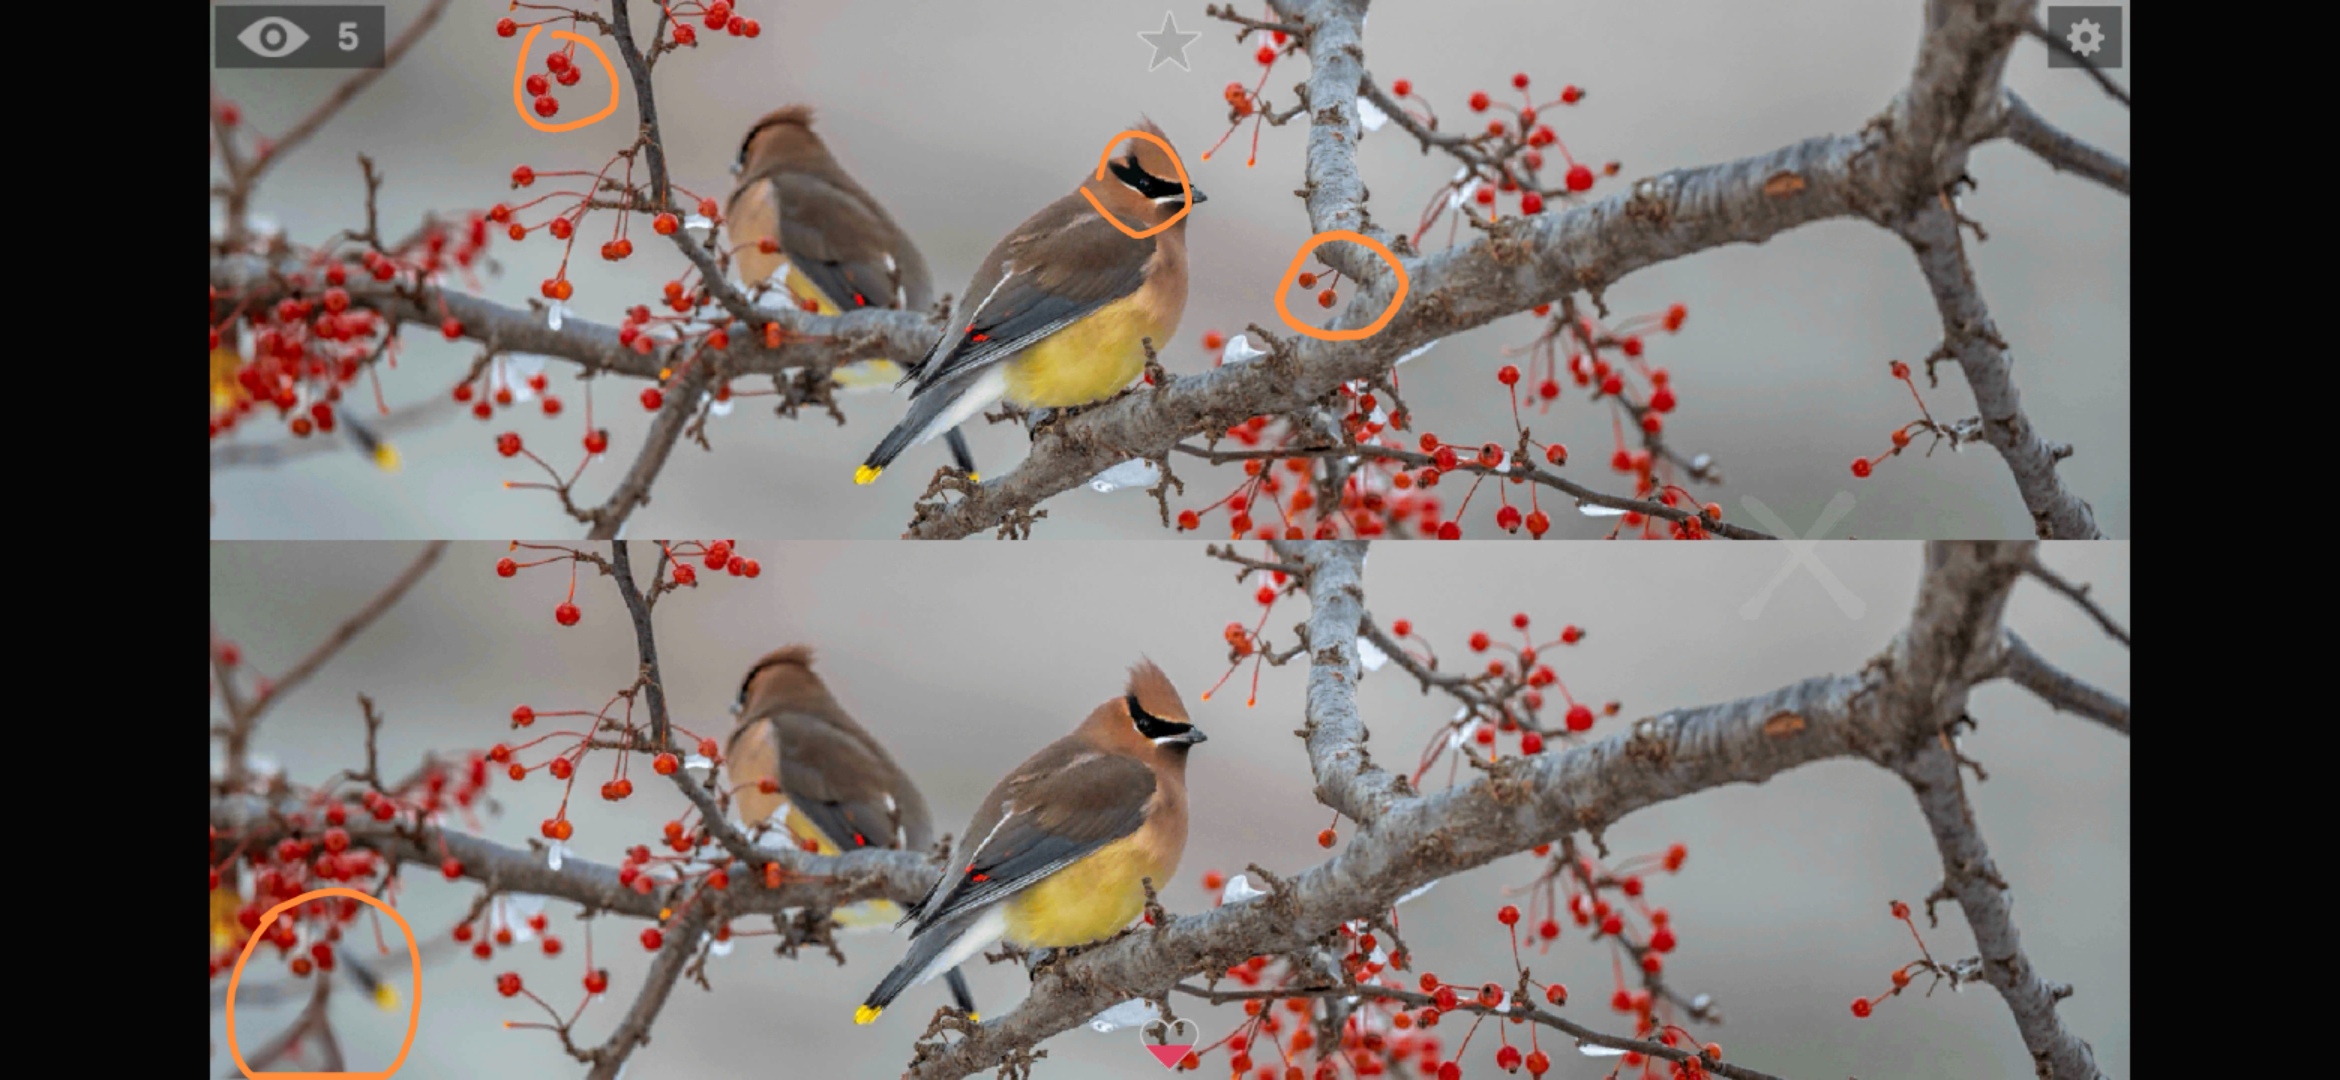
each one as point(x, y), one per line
point(1185, 184)
point(520, 94)
point(1284, 287)
point(414, 1011)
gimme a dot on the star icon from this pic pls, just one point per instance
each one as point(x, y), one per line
point(1162, 41)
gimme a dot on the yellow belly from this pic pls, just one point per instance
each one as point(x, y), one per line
point(877, 374)
point(868, 913)
point(1087, 361)
point(1087, 901)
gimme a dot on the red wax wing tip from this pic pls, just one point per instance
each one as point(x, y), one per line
point(1169, 1055)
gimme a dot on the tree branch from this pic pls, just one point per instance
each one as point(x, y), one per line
point(244, 716)
point(2063, 692)
point(1971, 338)
point(2062, 151)
point(1973, 880)
point(1346, 777)
point(2078, 594)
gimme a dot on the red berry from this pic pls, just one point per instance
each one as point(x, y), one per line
point(1579, 178)
point(597, 980)
point(1537, 1063)
point(538, 85)
point(1266, 54)
point(1861, 467)
point(1402, 627)
point(547, 105)
point(1402, 87)
point(597, 440)
point(506, 28)
point(567, 614)
point(1508, 915)
point(1507, 1059)
point(684, 35)
point(1508, 375)
point(664, 764)
point(452, 868)
point(1572, 95)
point(1327, 838)
point(1531, 203)
point(664, 224)
point(652, 399)
point(508, 983)
point(1580, 718)
point(1860, 1007)
point(1449, 530)
point(1479, 101)
point(1507, 519)
point(508, 443)
point(1531, 743)
point(652, 939)
point(1450, 1071)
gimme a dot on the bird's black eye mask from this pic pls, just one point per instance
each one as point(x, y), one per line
point(1154, 727)
point(1145, 183)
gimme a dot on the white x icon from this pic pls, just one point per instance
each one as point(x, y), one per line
point(1803, 552)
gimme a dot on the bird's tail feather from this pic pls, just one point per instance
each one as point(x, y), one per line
point(942, 946)
point(942, 405)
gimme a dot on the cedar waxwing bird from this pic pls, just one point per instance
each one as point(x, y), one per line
point(1056, 853)
point(1056, 312)
point(833, 786)
point(833, 244)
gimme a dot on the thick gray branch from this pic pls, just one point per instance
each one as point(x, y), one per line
point(2063, 692)
point(818, 881)
point(1970, 337)
point(1346, 777)
point(1969, 876)
point(815, 342)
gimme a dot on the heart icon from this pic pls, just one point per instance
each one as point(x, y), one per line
point(1169, 1043)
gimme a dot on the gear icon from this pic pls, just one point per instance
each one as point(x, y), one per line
point(2086, 37)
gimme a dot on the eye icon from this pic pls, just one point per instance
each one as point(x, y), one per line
point(273, 37)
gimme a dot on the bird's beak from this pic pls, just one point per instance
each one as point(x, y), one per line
point(1199, 198)
point(1190, 736)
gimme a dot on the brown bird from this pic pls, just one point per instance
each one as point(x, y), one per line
point(1056, 313)
point(831, 241)
point(798, 754)
point(1057, 852)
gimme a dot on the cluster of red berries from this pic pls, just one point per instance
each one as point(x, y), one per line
point(1507, 695)
point(1245, 102)
point(318, 852)
point(1900, 976)
point(1863, 466)
point(314, 342)
point(1507, 158)
point(717, 556)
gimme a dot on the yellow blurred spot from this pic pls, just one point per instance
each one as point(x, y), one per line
point(225, 391)
point(975, 1018)
point(867, 374)
point(866, 473)
point(974, 478)
point(386, 457)
point(665, 374)
point(386, 996)
point(664, 914)
point(866, 1013)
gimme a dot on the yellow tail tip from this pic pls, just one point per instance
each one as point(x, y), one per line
point(975, 1018)
point(386, 997)
point(863, 475)
point(866, 1013)
point(974, 478)
point(386, 457)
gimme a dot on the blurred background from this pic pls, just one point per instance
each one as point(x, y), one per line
point(964, 118)
point(965, 664)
